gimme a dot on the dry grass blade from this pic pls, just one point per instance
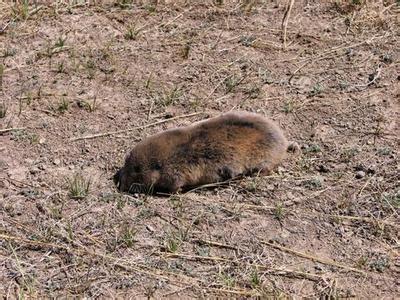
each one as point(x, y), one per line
point(11, 129)
point(268, 269)
point(175, 278)
point(285, 22)
point(314, 258)
point(116, 261)
point(104, 134)
point(215, 244)
point(108, 73)
point(364, 219)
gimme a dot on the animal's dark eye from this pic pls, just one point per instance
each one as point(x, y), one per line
point(156, 165)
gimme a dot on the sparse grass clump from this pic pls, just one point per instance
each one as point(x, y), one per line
point(384, 151)
point(348, 154)
point(61, 68)
point(227, 280)
point(90, 106)
point(168, 96)
point(392, 199)
point(231, 82)
point(185, 50)
point(63, 105)
point(172, 243)
point(279, 212)
point(255, 278)
point(347, 6)
point(316, 90)
point(33, 139)
point(127, 237)
point(132, 33)
point(78, 186)
point(124, 3)
point(265, 76)
point(314, 148)
point(24, 136)
point(9, 52)
point(3, 110)
point(313, 183)
point(21, 10)
point(253, 184)
point(60, 42)
point(1, 76)
point(288, 107)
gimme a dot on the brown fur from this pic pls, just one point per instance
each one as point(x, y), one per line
point(213, 150)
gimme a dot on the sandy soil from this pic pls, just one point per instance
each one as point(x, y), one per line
point(325, 224)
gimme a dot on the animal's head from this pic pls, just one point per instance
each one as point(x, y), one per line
point(140, 173)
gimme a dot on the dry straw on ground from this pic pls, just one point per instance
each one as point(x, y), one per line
point(82, 82)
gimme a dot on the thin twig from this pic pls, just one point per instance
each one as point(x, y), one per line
point(175, 278)
point(209, 185)
point(375, 77)
point(285, 22)
point(198, 257)
point(87, 137)
point(175, 291)
point(268, 269)
point(327, 54)
point(313, 258)
point(363, 219)
point(211, 243)
point(11, 129)
point(183, 279)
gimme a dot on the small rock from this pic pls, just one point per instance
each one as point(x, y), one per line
point(290, 195)
point(3, 165)
point(270, 187)
point(150, 228)
point(322, 169)
point(57, 161)
point(34, 170)
point(294, 148)
point(359, 168)
point(371, 170)
point(42, 141)
point(4, 184)
point(318, 268)
point(360, 174)
point(387, 58)
point(304, 146)
point(288, 203)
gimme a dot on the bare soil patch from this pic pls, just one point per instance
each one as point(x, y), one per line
point(325, 224)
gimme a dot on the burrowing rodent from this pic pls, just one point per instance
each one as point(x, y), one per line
point(212, 150)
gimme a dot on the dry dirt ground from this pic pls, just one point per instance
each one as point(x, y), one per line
point(325, 224)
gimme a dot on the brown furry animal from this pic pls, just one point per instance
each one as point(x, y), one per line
point(212, 150)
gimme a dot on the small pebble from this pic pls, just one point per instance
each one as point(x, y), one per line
point(57, 161)
point(150, 228)
point(34, 170)
point(360, 174)
point(323, 169)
